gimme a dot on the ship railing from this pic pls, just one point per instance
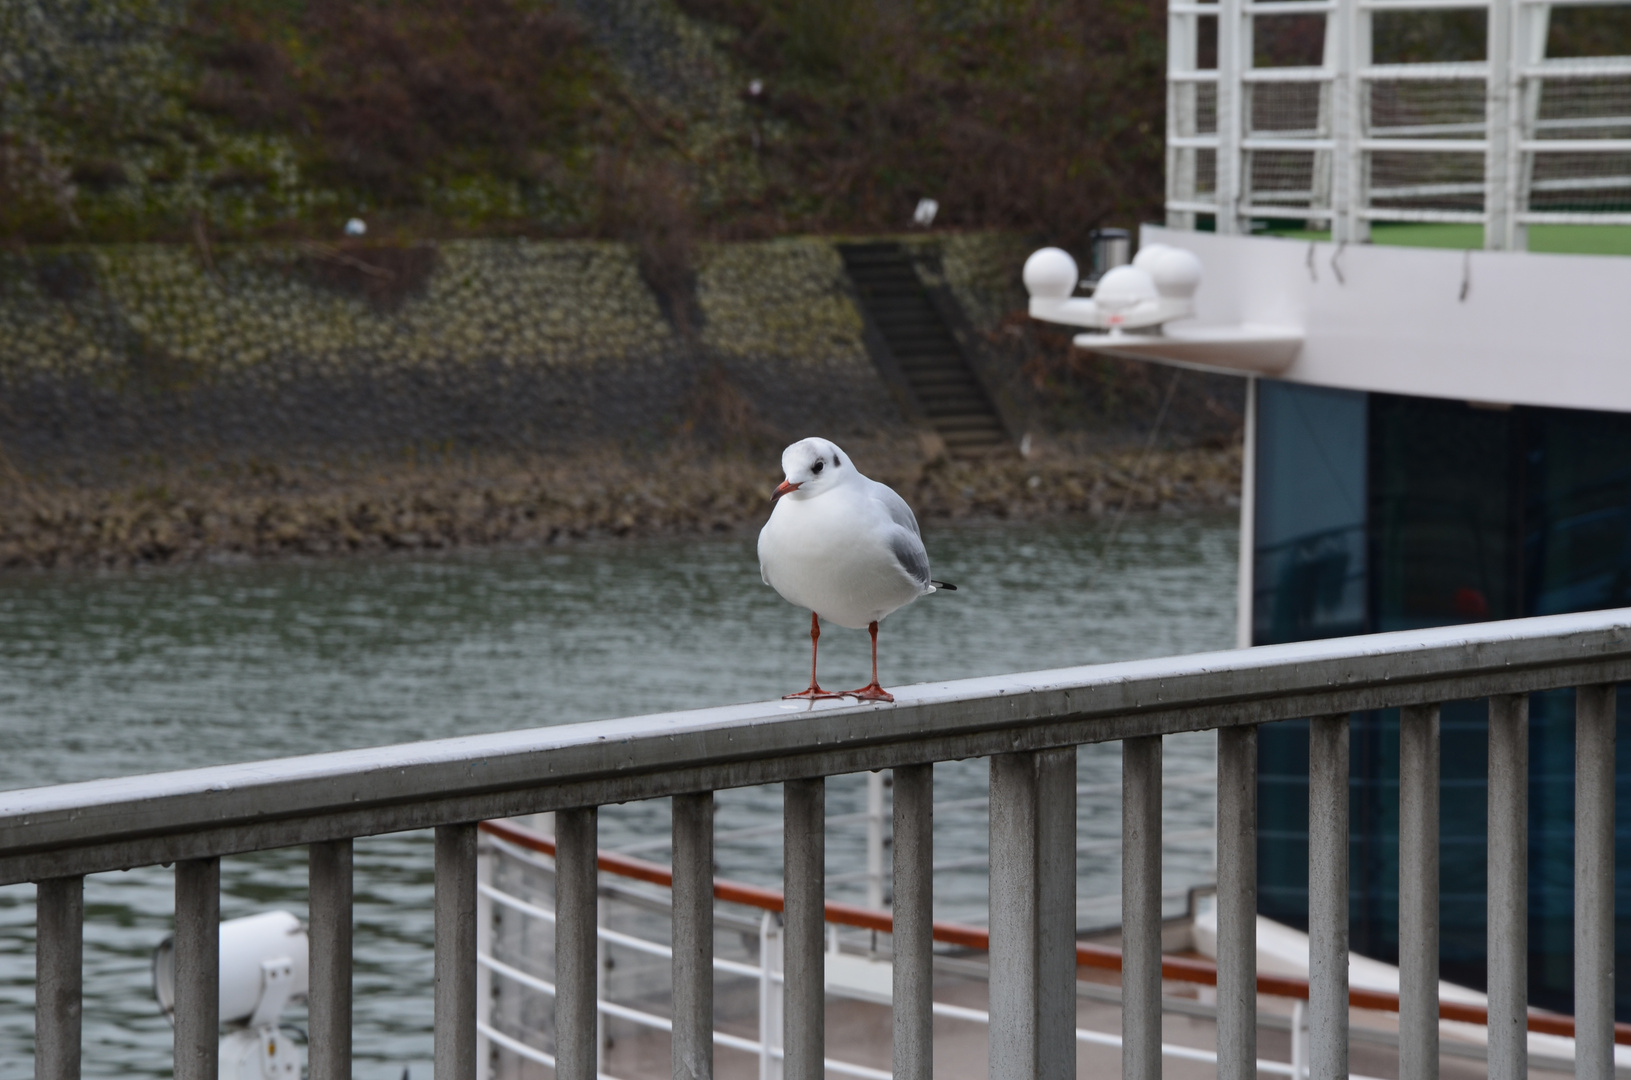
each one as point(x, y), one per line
point(504, 1027)
point(1029, 726)
point(1513, 140)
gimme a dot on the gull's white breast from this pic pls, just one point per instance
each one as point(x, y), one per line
point(834, 554)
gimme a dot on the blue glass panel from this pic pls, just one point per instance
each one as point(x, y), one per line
point(1576, 557)
point(1463, 514)
point(1577, 517)
point(1309, 548)
point(1444, 507)
point(1308, 582)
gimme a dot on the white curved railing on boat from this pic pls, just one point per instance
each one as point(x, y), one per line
point(1515, 139)
point(1028, 725)
point(755, 910)
point(515, 965)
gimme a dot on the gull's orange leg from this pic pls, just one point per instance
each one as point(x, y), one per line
point(815, 693)
point(872, 692)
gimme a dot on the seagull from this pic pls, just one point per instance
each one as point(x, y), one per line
point(844, 546)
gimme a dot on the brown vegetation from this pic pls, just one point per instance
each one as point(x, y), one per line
point(386, 98)
point(1039, 116)
point(436, 118)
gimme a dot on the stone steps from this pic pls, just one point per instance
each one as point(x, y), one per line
point(924, 349)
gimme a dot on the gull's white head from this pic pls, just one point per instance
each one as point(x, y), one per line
point(812, 466)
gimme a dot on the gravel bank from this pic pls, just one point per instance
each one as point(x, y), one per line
point(268, 512)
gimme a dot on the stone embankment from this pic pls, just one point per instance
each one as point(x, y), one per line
point(288, 353)
point(163, 404)
point(430, 506)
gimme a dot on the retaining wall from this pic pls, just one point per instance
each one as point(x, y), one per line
point(169, 354)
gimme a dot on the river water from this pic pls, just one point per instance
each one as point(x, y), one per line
point(114, 674)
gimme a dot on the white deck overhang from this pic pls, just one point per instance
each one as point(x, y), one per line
point(1502, 328)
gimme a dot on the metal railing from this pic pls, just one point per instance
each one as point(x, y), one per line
point(515, 842)
point(743, 910)
point(1029, 725)
point(1095, 910)
point(1513, 140)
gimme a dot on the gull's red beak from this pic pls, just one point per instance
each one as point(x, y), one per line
point(782, 489)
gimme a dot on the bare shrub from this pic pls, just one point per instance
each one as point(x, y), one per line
point(389, 94)
point(649, 205)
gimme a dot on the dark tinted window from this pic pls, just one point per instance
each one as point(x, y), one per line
point(1443, 505)
point(1309, 571)
point(1463, 514)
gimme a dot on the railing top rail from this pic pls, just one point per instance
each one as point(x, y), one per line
point(141, 820)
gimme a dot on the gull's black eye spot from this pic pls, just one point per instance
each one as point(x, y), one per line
point(835, 461)
point(818, 466)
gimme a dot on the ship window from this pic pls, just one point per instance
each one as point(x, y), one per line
point(1443, 506)
point(1308, 578)
point(1462, 514)
point(1577, 518)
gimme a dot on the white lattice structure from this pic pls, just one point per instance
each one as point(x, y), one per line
point(1512, 140)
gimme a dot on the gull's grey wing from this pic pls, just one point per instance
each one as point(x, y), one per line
point(898, 510)
point(909, 551)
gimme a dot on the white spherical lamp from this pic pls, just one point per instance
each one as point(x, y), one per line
point(1051, 274)
point(1149, 256)
point(1176, 272)
point(1121, 290)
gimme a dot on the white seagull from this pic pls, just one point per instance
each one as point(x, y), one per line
point(845, 547)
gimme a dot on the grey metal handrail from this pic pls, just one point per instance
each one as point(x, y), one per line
point(1028, 724)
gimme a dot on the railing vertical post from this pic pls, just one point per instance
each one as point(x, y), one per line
point(1033, 915)
point(1141, 908)
point(1346, 157)
point(198, 969)
point(577, 955)
point(1056, 913)
point(454, 1036)
point(1245, 566)
point(875, 840)
point(1529, 32)
point(1237, 903)
point(486, 858)
point(1233, 56)
point(1594, 746)
point(602, 969)
point(1299, 1040)
point(804, 830)
point(1498, 123)
point(693, 936)
point(771, 998)
point(1328, 897)
point(59, 979)
point(1508, 959)
point(1182, 41)
point(1418, 892)
point(913, 937)
point(330, 885)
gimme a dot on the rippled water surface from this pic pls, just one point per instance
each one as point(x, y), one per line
point(106, 675)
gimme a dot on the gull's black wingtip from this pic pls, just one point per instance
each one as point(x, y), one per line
point(948, 586)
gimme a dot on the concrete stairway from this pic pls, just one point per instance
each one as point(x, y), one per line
point(923, 349)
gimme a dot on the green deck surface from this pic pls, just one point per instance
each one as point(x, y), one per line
point(1558, 239)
